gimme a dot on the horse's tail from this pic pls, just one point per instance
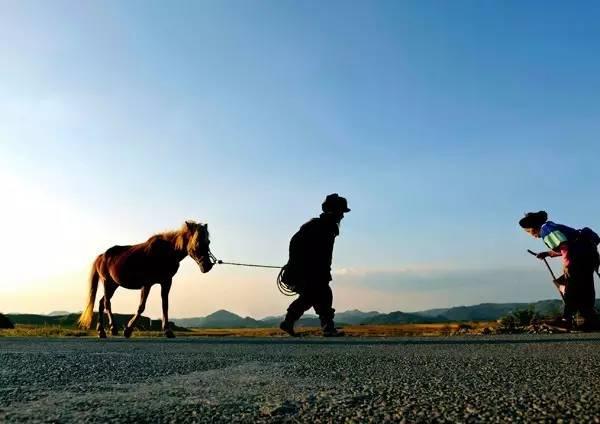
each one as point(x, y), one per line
point(85, 320)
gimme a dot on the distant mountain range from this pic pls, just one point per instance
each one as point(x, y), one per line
point(58, 313)
point(226, 319)
point(481, 312)
point(219, 319)
point(491, 311)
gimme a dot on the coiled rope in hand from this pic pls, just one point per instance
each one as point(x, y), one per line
point(285, 288)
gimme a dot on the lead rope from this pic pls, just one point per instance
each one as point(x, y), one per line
point(248, 265)
point(283, 287)
point(220, 262)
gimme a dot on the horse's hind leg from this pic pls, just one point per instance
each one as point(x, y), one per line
point(143, 298)
point(100, 327)
point(109, 290)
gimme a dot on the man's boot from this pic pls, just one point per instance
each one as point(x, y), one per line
point(329, 330)
point(590, 326)
point(590, 322)
point(565, 323)
point(288, 327)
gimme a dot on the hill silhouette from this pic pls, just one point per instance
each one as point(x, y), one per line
point(58, 313)
point(220, 319)
point(399, 317)
point(355, 316)
point(308, 320)
point(491, 311)
point(226, 319)
point(480, 312)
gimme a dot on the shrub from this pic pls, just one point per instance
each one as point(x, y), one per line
point(5, 322)
point(507, 324)
point(525, 317)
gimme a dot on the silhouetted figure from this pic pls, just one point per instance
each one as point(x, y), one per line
point(578, 249)
point(309, 266)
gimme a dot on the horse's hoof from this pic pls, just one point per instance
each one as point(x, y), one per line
point(169, 334)
point(127, 332)
point(114, 331)
point(101, 334)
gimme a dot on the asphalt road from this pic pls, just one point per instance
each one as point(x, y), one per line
point(499, 379)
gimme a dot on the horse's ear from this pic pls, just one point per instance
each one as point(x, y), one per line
point(190, 225)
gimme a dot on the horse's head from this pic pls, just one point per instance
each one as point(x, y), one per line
point(198, 246)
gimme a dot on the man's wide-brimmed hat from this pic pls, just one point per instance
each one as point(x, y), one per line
point(335, 203)
point(534, 219)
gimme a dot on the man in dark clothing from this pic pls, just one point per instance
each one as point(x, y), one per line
point(309, 266)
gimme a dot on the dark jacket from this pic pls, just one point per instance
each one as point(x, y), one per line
point(311, 249)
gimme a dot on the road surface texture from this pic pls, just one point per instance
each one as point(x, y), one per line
point(546, 378)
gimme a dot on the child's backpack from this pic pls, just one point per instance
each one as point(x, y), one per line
point(590, 235)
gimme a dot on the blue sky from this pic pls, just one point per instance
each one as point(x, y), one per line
point(441, 122)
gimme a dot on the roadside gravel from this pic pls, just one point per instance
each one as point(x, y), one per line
point(471, 379)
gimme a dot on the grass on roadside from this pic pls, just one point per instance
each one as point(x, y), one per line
point(393, 330)
point(43, 331)
point(22, 330)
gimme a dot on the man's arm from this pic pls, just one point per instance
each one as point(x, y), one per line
point(549, 253)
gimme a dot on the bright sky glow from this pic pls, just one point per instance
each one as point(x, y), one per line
point(441, 122)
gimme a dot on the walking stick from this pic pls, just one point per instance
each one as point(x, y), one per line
point(551, 273)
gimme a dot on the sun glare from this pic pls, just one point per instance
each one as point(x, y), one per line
point(43, 236)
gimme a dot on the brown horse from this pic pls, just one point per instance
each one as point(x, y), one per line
point(139, 267)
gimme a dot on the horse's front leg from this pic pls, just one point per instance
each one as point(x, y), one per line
point(109, 291)
point(143, 298)
point(165, 288)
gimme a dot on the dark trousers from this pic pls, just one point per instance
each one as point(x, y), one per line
point(318, 296)
point(580, 295)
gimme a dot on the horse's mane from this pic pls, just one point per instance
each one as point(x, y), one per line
point(178, 238)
